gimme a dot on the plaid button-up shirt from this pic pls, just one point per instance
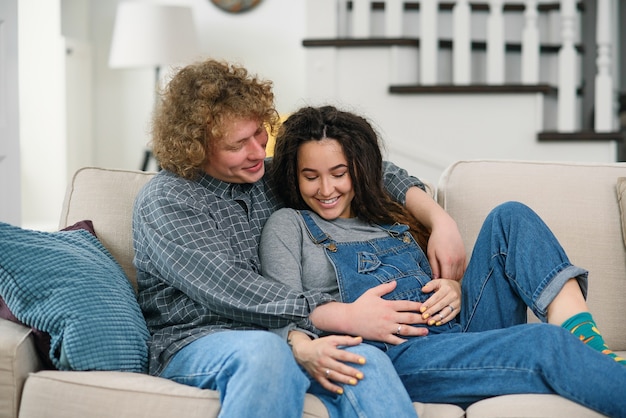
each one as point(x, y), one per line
point(196, 254)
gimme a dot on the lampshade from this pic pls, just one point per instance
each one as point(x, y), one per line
point(152, 35)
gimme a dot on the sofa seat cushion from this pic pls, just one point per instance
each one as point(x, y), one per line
point(113, 394)
point(68, 285)
point(529, 406)
point(116, 394)
point(434, 410)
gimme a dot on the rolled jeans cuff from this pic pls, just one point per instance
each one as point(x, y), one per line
point(554, 286)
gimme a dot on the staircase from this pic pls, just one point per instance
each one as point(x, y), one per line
point(444, 81)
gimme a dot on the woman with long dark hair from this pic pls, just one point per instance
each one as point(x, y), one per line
point(342, 234)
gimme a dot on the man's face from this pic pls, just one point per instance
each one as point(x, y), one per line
point(239, 156)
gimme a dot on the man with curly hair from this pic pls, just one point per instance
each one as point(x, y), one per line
point(196, 230)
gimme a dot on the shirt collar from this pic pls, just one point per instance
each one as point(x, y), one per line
point(224, 189)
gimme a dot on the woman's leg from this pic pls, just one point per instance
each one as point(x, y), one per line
point(254, 371)
point(567, 303)
point(463, 368)
point(379, 394)
point(517, 263)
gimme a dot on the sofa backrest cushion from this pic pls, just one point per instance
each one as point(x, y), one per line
point(577, 201)
point(106, 198)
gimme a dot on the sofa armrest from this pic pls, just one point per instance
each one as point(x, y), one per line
point(18, 358)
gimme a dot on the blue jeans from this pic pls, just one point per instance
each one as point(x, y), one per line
point(516, 263)
point(254, 372)
point(362, 265)
point(490, 350)
point(380, 393)
point(257, 376)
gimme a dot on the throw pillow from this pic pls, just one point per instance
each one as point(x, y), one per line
point(42, 339)
point(86, 225)
point(66, 284)
point(621, 198)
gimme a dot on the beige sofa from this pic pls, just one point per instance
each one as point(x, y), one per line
point(580, 202)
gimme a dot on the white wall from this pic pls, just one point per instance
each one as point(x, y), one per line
point(10, 191)
point(42, 115)
point(267, 40)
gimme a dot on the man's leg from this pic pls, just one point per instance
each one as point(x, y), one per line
point(254, 372)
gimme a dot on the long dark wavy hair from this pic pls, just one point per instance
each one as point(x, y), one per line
point(362, 148)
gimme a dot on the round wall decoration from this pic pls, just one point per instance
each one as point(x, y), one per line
point(236, 6)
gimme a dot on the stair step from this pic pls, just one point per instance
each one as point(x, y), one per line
point(477, 6)
point(444, 44)
point(545, 89)
point(588, 136)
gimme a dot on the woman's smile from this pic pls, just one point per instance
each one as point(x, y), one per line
point(324, 179)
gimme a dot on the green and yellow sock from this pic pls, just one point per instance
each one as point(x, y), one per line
point(584, 327)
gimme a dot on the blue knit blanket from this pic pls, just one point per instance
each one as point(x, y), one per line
point(68, 285)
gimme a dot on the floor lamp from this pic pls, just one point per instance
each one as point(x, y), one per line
point(152, 35)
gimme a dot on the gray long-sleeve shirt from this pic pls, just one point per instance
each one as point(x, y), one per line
point(198, 270)
point(289, 256)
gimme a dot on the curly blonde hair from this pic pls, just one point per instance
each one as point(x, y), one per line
point(195, 106)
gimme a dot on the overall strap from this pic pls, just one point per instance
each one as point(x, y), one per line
point(315, 232)
point(318, 236)
point(395, 230)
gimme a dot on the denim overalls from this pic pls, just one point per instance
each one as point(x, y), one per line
point(362, 265)
point(516, 263)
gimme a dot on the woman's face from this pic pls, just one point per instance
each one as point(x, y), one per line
point(324, 179)
point(239, 156)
